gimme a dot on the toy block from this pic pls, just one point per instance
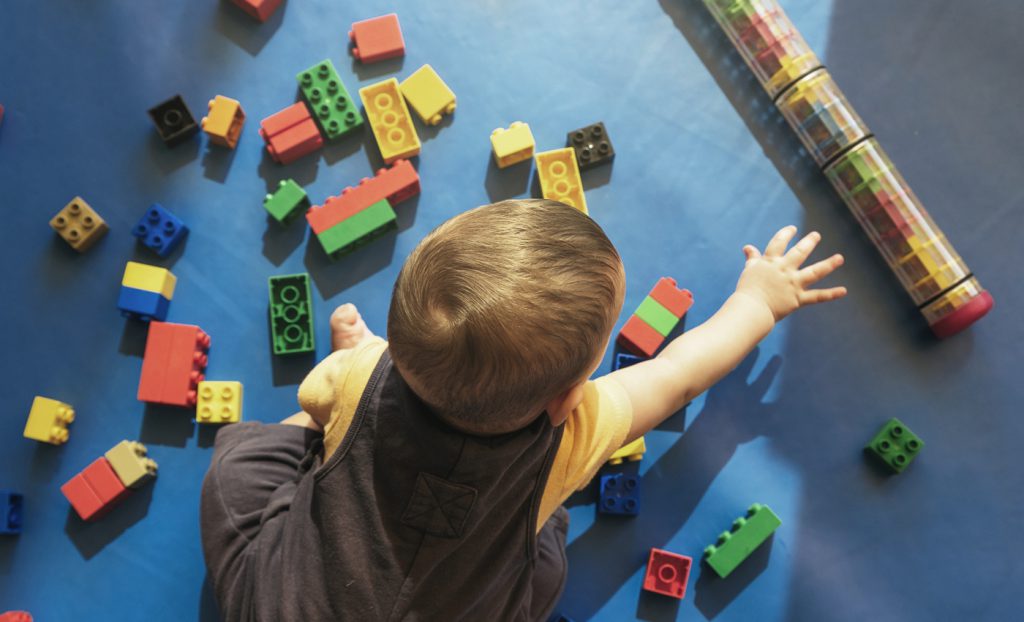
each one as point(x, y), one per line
point(389, 118)
point(633, 452)
point(173, 364)
point(591, 146)
point(174, 121)
point(291, 314)
point(667, 293)
point(747, 533)
point(560, 178)
point(95, 490)
point(86, 502)
point(260, 9)
point(223, 124)
point(149, 278)
point(15, 616)
point(290, 134)
point(639, 338)
point(219, 402)
point(620, 494)
point(656, 316)
point(11, 504)
point(160, 230)
point(1, 114)
point(377, 39)
point(131, 463)
point(513, 145)
point(428, 95)
point(79, 225)
point(395, 184)
point(895, 445)
point(287, 202)
point(333, 109)
point(48, 421)
point(623, 360)
point(667, 573)
point(359, 229)
point(140, 304)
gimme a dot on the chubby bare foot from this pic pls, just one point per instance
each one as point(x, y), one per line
point(347, 327)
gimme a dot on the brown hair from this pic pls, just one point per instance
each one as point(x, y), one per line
point(502, 308)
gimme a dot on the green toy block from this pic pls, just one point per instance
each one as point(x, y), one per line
point(327, 97)
point(656, 316)
point(291, 314)
point(738, 543)
point(358, 229)
point(895, 445)
point(287, 202)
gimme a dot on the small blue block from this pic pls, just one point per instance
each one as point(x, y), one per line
point(160, 230)
point(142, 305)
point(623, 360)
point(620, 494)
point(10, 512)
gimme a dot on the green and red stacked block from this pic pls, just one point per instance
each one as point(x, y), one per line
point(655, 318)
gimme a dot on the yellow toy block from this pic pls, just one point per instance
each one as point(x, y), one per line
point(224, 121)
point(131, 464)
point(513, 145)
point(48, 421)
point(149, 278)
point(79, 224)
point(428, 95)
point(390, 120)
point(631, 451)
point(560, 178)
point(219, 402)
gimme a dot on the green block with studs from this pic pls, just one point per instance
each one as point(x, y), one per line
point(358, 229)
point(291, 314)
point(287, 202)
point(747, 533)
point(895, 445)
point(333, 109)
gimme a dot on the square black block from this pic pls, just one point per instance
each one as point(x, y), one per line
point(591, 145)
point(174, 121)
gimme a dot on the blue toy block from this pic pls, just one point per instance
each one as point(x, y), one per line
point(142, 305)
point(620, 494)
point(160, 230)
point(623, 360)
point(10, 512)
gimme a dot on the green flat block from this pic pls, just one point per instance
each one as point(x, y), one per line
point(895, 445)
point(291, 314)
point(327, 97)
point(737, 544)
point(359, 229)
point(657, 316)
point(287, 202)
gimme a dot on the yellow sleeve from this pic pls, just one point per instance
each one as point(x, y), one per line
point(331, 392)
point(593, 432)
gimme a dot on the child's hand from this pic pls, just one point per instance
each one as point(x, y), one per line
point(776, 278)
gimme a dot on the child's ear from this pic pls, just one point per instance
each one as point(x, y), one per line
point(559, 407)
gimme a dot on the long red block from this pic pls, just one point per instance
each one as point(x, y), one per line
point(639, 338)
point(667, 573)
point(173, 364)
point(395, 184)
point(260, 9)
point(377, 39)
point(95, 490)
point(290, 134)
point(667, 293)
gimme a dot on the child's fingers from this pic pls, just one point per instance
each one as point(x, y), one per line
point(802, 249)
point(777, 246)
point(751, 253)
point(814, 296)
point(817, 271)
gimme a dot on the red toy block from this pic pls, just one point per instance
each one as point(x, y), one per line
point(290, 134)
point(14, 616)
point(667, 293)
point(395, 184)
point(377, 39)
point(173, 364)
point(667, 573)
point(82, 497)
point(639, 338)
point(1, 114)
point(260, 9)
point(95, 490)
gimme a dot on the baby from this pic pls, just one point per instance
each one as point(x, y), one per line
point(424, 477)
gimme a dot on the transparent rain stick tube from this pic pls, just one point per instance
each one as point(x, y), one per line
point(926, 264)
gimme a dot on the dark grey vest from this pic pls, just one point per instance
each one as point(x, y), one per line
point(412, 520)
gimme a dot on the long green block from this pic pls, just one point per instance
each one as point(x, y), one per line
point(358, 229)
point(291, 314)
point(737, 544)
point(333, 109)
point(895, 445)
point(657, 316)
point(287, 202)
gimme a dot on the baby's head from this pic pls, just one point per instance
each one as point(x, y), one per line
point(504, 311)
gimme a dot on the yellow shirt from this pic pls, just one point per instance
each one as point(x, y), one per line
point(593, 431)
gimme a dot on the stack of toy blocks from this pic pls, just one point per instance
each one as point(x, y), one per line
point(620, 494)
point(363, 212)
point(747, 534)
point(79, 225)
point(146, 291)
point(591, 146)
point(174, 121)
point(895, 445)
point(173, 364)
point(290, 134)
point(655, 318)
point(260, 9)
point(160, 230)
point(667, 573)
point(224, 122)
point(428, 95)
point(389, 118)
point(287, 202)
point(513, 145)
point(291, 314)
point(220, 401)
point(11, 504)
point(333, 109)
point(109, 479)
point(48, 421)
point(377, 39)
point(560, 178)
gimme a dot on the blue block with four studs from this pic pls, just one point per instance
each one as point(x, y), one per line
point(620, 494)
point(160, 230)
point(10, 512)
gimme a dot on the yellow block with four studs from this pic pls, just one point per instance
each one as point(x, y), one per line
point(219, 401)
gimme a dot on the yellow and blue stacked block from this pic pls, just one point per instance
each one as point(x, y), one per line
point(146, 291)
